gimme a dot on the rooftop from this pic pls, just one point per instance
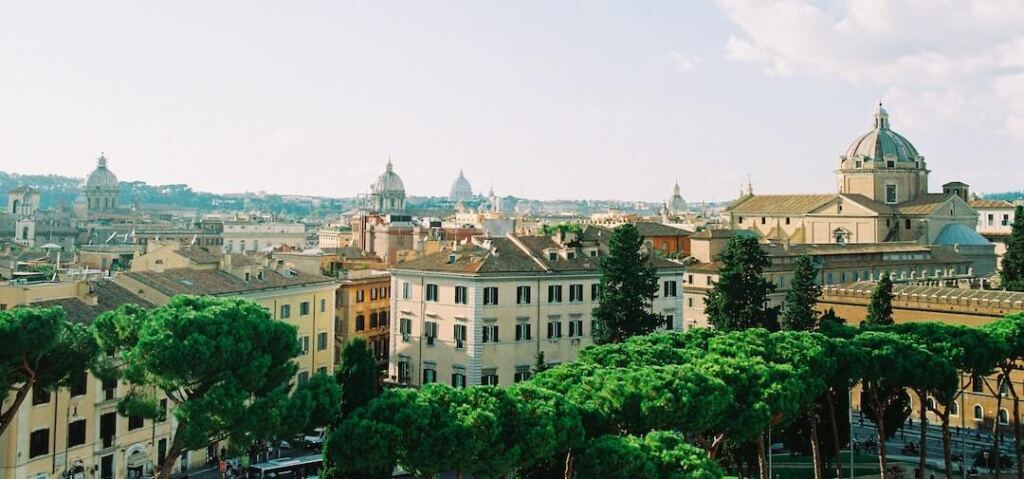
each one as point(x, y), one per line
point(216, 282)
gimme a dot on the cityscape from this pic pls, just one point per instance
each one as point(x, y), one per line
point(209, 272)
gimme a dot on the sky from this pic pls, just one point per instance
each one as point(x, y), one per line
point(546, 99)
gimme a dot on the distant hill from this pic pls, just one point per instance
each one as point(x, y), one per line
point(1007, 196)
point(57, 190)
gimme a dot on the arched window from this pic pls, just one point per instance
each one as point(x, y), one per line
point(931, 404)
point(841, 235)
point(954, 409)
point(1004, 417)
point(24, 232)
point(15, 205)
point(979, 412)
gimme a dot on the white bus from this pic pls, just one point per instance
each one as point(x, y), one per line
point(302, 467)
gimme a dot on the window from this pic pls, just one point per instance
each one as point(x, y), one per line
point(954, 409)
point(360, 322)
point(522, 374)
point(108, 429)
point(373, 320)
point(305, 344)
point(40, 396)
point(374, 294)
point(321, 370)
point(404, 370)
point(741, 220)
point(890, 164)
point(323, 305)
point(406, 290)
point(76, 433)
point(304, 377)
point(979, 412)
point(405, 326)
point(321, 341)
point(460, 336)
point(304, 308)
point(490, 296)
point(490, 379)
point(460, 295)
point(523, 332)
point(429, 375)
point(787, 220)
point(522, 295)
point(689, 302)
point(978, 384)
point(360, 296)
point(669, 322)
point(1004, 417)
point(554, 293)
point(689, 278)
point(39, 443)
point(490, 333)
point(429, 331)
point(286, 311)
point(554, 329)
point(163, 411)
point(384, 315)
point(570, 255)
point(134, 422)
point(762, 220)
point(1006, 220)
point(991, 219)
point(906, 224)
point(81, 386)
point(575, 328)
point(458, 379)
point(432, 292)
point(890, 194)
point(552, 256)
point(670, 289)
point(595, 292)
point(575, 293)
point(782, 281)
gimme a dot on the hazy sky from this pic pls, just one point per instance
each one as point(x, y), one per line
point(544, 99)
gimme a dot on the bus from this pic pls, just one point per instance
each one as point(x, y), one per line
point(302, 467)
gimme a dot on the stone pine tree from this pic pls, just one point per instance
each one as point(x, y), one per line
point(357, 374)
point(1012, 275)
point(627, 289)
point(739, 299)
point(880, 309)
point(799, 313)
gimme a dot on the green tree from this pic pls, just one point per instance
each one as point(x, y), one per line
point(42, 350)
point(628, 285)
point(1012, 274)
point(798, 312)
point(658, 455)
point(225, 364)
point(367, 443)
point(1009, 334)
point(880, 308)
point(740, 297)
point(357, 374)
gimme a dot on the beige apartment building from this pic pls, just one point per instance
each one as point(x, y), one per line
point(245, 236)
point(305, 300)
point(480, 314)
point(838, 263)
point(995, 223)
point(77, 433)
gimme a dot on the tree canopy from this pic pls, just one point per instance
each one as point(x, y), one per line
point(627, 288)
point(880, 308)
point(740, 297)
point(799, 311)
point(1012, 274)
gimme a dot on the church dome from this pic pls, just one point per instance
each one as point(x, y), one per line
point(101, 178)
point(388, 183)
point(461, 189)
point(676, 203)
point(881, 143)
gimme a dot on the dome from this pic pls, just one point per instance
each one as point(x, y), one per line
point(960, 234)
point(676, 203)
point(881, 142)
point(461, 189)
point(388, 183)
point(101, 178)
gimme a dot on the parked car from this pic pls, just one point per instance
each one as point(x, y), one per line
point(315, 439)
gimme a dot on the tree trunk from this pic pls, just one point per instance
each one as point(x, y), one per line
point(716, 443)
point(8, 416)
point(815, 449)
point(173, 453)
point(995, 434)
point(762, 458)
point(1016, 434)
point(834, 425)
point(880, 430)
point(568, 464)
point(947, 444)
point(922, 444)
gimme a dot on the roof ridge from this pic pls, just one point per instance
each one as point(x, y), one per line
point(526, 250)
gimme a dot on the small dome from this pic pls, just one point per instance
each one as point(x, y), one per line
point(388, 183)
point(676, 203)
point(881, 142)
point(461, 189)
point(960, 234)
point(101, 178)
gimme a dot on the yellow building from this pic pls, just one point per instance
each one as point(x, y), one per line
point(77, 433)
point(364, 311)
point(968, 307)
point(480, 314)
point(302, 299)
